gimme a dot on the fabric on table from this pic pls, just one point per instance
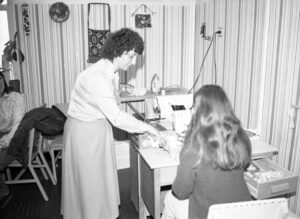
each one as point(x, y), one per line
point(90, 188)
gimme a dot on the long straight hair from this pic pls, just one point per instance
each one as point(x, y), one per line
point(215, 133)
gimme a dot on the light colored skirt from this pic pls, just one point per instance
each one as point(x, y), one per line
point(90, 188)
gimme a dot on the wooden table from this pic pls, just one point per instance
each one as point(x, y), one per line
point(126, 97)
point(152, 168)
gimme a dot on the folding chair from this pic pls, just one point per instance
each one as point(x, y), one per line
point(36, 159)
point(276, 208)
point(52, 144)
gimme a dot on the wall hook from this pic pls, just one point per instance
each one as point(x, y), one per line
point(145, 6)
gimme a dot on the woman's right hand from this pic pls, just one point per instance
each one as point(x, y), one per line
point(153, 131)
point(156, 136)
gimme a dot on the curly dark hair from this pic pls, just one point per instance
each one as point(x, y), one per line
point(6, 87)
point(120, 41)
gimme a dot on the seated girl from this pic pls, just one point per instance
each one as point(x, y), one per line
point(215, 153)
point(12, 110)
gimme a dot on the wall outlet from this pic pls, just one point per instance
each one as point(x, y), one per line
point(219, 32)
point(203, 30)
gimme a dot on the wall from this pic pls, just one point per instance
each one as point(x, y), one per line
point(234, 59)
point(57, 52)
point(258, 64)
point(280, 122)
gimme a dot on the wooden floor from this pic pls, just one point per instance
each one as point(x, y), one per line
point(28, 203)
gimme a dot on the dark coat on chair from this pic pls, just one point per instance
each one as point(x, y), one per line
point(48, 121)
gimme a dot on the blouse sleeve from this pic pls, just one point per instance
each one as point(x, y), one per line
point(107, 103)
point(183, 186)
point(18, 109)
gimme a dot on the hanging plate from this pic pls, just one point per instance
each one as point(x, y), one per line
point(59, 12)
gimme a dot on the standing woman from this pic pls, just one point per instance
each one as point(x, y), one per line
point(90, 187)
point(215, 154)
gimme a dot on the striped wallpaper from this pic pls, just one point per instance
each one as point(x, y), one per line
point(59, 52)
point(258, 64)
point(280, 123)
point(234, 60)
point(255, 58)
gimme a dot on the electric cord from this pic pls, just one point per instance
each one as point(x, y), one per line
point(206, 53)
point(214, 57)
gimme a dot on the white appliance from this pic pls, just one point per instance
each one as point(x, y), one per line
point(173, 108)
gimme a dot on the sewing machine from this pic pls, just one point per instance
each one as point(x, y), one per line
point(170, 108)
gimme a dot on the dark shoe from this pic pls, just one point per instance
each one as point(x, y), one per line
point(4, 201)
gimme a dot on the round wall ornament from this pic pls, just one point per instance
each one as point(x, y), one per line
point(59, 12)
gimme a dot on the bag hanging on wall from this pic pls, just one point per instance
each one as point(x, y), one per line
point(97, 37)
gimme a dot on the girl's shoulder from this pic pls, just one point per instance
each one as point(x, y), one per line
point(16, 97)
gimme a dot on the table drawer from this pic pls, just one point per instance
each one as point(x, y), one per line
point(266, 179)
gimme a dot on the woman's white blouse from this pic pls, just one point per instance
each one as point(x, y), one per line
point(93, 98)
point(12, 110)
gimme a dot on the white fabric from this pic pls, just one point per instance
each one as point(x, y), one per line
point(90, 188)
point(12, 110)
point(93, 98)
point(174, 208)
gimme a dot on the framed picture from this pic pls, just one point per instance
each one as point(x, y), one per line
point(143, 21)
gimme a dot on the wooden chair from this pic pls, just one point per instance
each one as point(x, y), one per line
point(52, 144)
point(36, 159)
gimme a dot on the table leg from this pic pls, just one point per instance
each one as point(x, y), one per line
point(150, 188)
point(156, 182)
point(134, 176)
point(142, 210)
